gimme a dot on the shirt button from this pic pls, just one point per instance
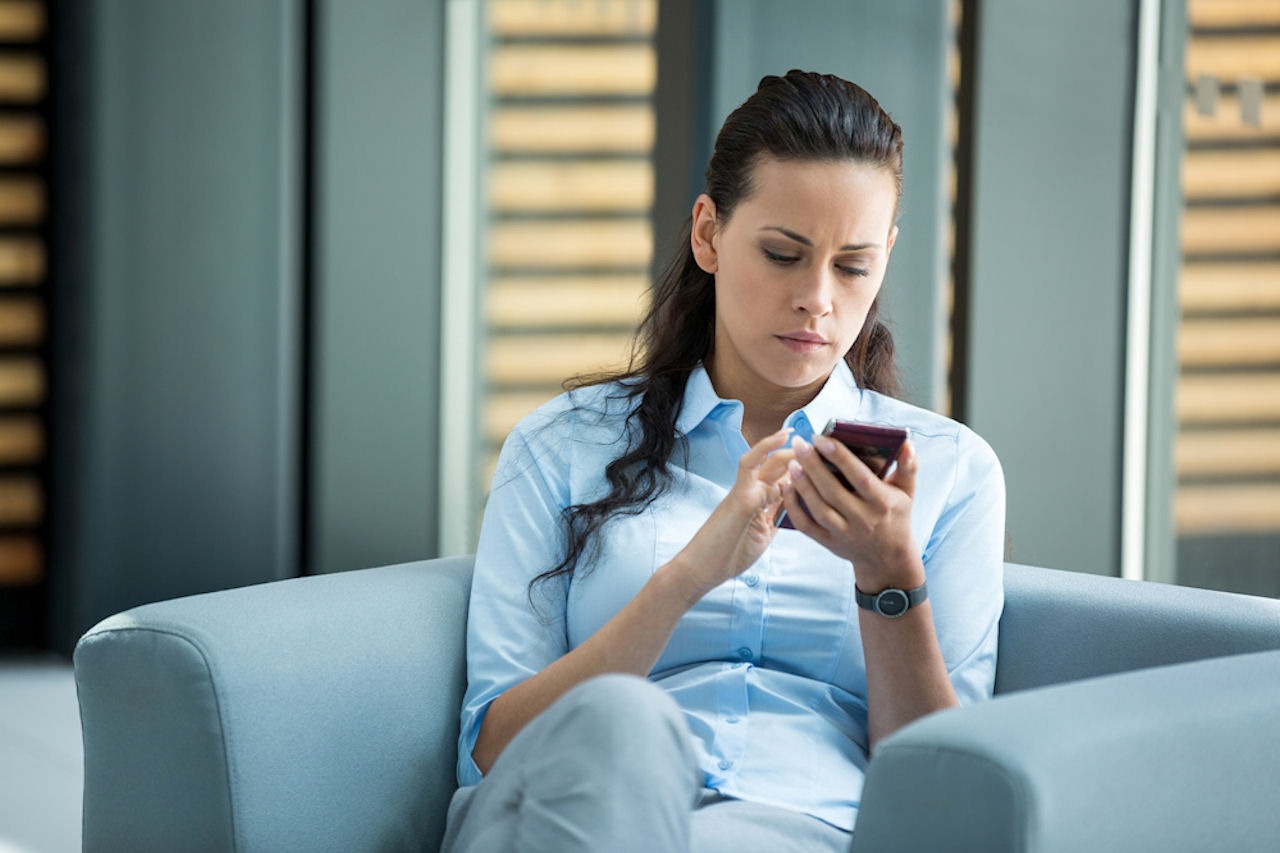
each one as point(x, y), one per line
point(744, 653)
point(731, 720)
point(751, 580)
point(724, 764)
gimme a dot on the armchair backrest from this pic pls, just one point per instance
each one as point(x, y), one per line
point(1063, 626)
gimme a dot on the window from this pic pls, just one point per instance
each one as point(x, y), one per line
point(23, 201)
point(570, 133)
point(1226, 506)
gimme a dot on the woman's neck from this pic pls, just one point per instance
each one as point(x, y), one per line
point(764, 409)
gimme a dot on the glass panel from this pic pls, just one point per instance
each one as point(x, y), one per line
point(570, 132)
point(1226, 507)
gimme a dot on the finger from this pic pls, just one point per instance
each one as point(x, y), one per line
point(812, 478)
point(759, 452)
point(862, 480)
point(824, 479)
point(798, 512)
point(774, 468)
point(904, 476)
point(816, 506)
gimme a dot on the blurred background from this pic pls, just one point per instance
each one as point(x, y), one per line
point(278, 276)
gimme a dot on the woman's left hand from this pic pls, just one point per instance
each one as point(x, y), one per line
point(871, 525)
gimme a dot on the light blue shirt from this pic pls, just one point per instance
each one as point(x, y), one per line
point(768, 668)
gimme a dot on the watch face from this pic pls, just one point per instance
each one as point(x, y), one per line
point(892, 602)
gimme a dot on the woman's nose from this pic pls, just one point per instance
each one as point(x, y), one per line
point(814, 294)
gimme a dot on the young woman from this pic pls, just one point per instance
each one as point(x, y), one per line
point(653, 664)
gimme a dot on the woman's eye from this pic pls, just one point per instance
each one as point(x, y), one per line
point(858, 271)
point(778, 258)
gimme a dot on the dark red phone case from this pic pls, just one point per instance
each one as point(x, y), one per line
point(877, 446)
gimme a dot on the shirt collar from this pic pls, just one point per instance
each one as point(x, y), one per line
point(840, 397)
point(701, 401)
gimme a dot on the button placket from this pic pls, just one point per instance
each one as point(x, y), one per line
point(731, 708)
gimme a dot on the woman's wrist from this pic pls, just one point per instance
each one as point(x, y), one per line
point(679, 579)
point(904, 573)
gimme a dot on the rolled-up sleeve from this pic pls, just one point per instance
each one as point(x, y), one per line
point(508, 637)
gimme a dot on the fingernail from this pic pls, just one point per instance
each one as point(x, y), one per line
point(800, 446)
point(823, 443)
point(795, 469)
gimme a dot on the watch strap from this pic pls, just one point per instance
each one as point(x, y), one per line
point(891, 602)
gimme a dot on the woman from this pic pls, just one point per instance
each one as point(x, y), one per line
point(652, 663)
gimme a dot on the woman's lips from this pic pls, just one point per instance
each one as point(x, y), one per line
point(802, 342)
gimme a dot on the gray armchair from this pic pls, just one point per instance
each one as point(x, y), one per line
point(321, 714)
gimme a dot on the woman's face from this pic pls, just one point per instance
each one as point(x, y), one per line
point(796, 269)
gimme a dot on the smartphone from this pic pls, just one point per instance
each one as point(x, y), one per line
point(878, 446)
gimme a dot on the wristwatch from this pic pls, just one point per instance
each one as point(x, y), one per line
point(892, 602)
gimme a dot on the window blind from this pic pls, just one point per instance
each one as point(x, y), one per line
point(1228, 391)
point(23, 213)
point(570, 132)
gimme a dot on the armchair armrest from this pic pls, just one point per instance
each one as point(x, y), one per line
point(1180, 757)
point(318, 713)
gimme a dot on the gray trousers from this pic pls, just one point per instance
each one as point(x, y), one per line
point(610, 767)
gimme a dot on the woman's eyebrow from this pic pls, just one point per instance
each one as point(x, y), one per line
point(805, 241)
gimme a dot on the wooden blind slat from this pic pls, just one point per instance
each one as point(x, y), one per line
point(1231, 174)
point(22, 201)
point(1231, 58)
point(1230, 287)
point(21, 322)
point(572, 17)
point(22, 261)
point(576, 70)
point(574, 243)
point(518, 303)
point(1239, 229)
point(22, 20)
point(1229, 451)
point(1226, 123)
point(21, 381)
point(548, 187)
point(21, 440)
point(23, 79)
point(21, 560)
point(550, 359)
point(1229, 341)
point(21, 500)
point(597, 129)
point(504, 410)
point(1231, 398)
point(1233, 13)
point(22, 140)
point(1229, 508)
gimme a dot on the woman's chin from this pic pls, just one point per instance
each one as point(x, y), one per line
point(801, 377)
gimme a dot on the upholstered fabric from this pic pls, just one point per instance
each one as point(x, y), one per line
point(1178, 757)
point(321, 713)
point(310, 714)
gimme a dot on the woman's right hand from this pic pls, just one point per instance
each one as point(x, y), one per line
point(741, 527)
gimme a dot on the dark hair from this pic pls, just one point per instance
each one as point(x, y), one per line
point(801, 116)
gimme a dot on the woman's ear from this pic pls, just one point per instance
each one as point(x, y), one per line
point(893, 238)
point(702, 234)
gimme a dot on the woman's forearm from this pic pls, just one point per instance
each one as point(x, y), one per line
point(734, 537)
point(630, 642)
point(906, 674)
